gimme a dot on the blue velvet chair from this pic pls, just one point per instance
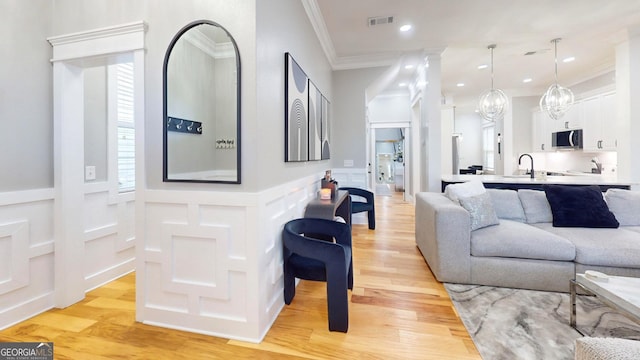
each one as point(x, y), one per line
point(306, 257)
point(368, 205)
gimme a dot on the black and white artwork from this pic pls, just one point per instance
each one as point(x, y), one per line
point(326, 133)
point(315, 122)
point(296, 121)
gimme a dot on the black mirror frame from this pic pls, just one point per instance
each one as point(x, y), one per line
point(165, 117)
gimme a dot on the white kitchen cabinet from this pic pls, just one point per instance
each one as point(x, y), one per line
point(595, 115)
point(599, 123)
point(541, 134)
point(571, 120)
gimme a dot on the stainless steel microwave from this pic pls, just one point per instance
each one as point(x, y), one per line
point(570, 139)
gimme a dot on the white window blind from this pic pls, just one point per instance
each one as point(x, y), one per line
point(126, 129)
point(487, 147)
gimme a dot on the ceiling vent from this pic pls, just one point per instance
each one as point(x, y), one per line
point(541, 51)
point(380, 20)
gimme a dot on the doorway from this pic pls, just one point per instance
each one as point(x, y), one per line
point(387, 157)
point(98, 111)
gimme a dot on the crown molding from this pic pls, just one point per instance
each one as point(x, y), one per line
point(111, 31)
point(365, 61)
point(97, 42)
point(348, 62)
point(317, 22)
point(341, 63)
point(216, 50)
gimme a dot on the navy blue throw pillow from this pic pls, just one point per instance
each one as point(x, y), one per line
point(579, 206)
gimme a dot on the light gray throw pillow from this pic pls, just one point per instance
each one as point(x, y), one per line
point(625, 206)
point(536, 206)
point(480, 209)
point(465, 189)
point(507, 204)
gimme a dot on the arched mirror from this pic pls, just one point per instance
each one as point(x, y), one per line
point(202, 106)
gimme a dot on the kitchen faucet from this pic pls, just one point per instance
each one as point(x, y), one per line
point(520, 158)
point(598, 169)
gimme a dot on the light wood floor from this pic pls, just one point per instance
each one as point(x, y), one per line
point(397, 311)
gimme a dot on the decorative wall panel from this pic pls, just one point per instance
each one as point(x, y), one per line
point(14, 247)
point(212, 261)
point(26, 254)
point(108, 227)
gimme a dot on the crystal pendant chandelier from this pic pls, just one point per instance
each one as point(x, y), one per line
point(557, 100)
point(494, 102)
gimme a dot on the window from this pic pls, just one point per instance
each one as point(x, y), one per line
point(487, 146)
point(126, 128)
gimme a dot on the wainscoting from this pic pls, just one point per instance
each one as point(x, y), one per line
point(26, 254)
point(207, 262)
point(27, 247)
point(211, 262)
point(354, 177)
point(109, 234)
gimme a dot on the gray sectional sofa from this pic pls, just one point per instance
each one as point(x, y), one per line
point(522, 248)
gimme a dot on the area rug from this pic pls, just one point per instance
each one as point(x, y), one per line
point(508, 324)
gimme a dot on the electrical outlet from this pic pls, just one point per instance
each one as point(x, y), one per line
point(90, 173)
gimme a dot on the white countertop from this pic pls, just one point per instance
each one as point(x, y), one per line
point(587, 179)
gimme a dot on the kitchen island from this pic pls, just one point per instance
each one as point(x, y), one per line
point(516, 182)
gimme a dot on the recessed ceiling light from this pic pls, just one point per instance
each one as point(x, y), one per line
point(402, 84)
point(568, 59)
point(405, 28)
point(408, 66)
point(460, 84)
point(483, 66)
point(527, 80)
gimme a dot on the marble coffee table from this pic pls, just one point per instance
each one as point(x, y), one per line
point(619, 292)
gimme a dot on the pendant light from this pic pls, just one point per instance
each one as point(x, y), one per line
point(557, 100)
point(494, 102)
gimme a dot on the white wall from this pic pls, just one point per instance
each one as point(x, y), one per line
point(521, 114)
point(95, 120)
point(628, 108)
point(469, 124)
point(239, 291)
point(446, 141)
point(390, 108)
point(432, 127)
point(25, 105)
point(521, 138)
point(349, 115)
point(209, 257)
point(26, 196)
point(283, 26)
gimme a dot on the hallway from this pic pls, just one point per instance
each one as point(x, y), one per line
point(397, 311)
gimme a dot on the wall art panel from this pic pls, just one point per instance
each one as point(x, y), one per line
point(315, 122)
point(326, 130)
point(296, 121)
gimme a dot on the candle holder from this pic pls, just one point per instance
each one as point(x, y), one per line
point(325, 194)
point(328, 183)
